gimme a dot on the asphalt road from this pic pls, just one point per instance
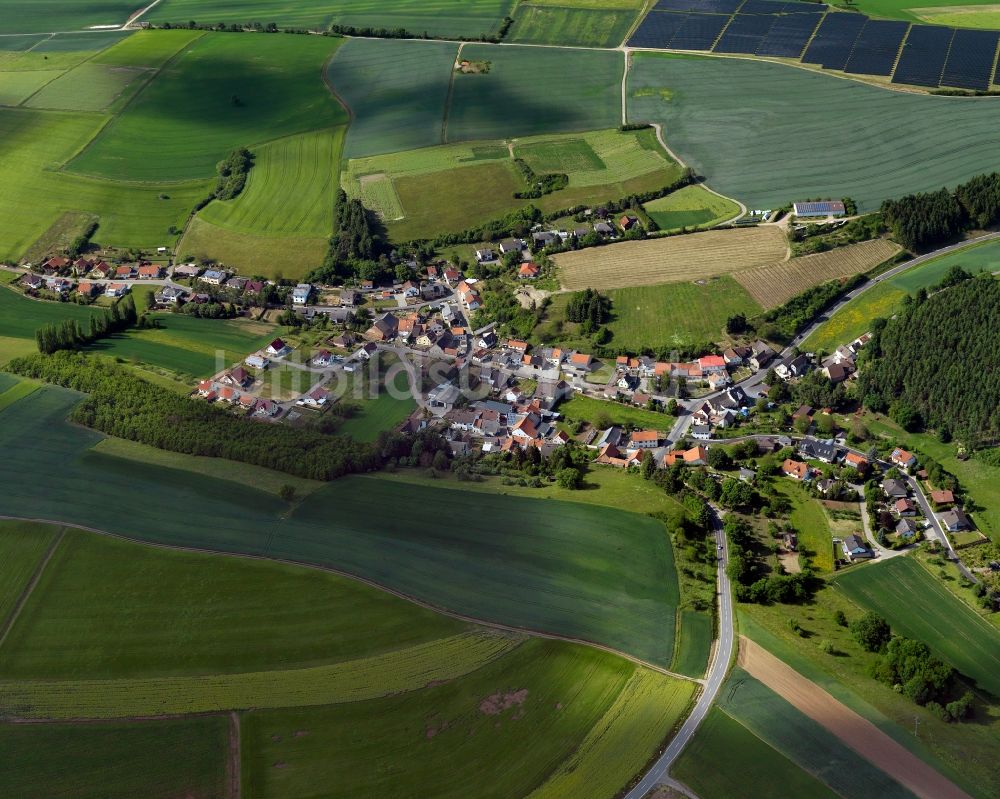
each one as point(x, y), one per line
point(717, 671)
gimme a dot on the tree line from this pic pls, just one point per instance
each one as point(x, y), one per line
point(936, 365)
point(233, 172)
point(69, 334)
point(357, 247)
point(120, 403)
point(918, 221)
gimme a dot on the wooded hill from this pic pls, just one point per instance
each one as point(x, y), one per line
point(937, 364)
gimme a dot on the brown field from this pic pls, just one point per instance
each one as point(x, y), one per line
point(857, 732)
point(773, 284)
point(671, 259)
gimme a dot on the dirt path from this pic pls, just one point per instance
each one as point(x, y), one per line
point(857, 732)
point(22, 600)
point(235, 776)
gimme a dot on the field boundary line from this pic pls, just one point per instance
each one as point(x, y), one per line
point(636, 23)
point(371, 583)
point(235, 756)
point(450, 95)
point(854, 730)
point(36, 576)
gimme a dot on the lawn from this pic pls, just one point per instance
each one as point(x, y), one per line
point(884, 300)
point(542, 23)
point(916, 605)
point(153, 759)
point(812, 524)
point(692, 206)
point(871, 151)
point(557, 711)
point(397, 91)
point(384, 413)
point(580, 570)
point(44, 16)
point(535, 90)
point(22, 547)
point(225, 90)
point(106, 608)
point(806, 743)
point(579, 407)
point(36, 193)
point(726, 759)
point(444, 18)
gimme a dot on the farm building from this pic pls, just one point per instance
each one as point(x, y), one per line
point(819, 209)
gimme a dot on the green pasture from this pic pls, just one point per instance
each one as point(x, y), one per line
point(21, 317)
point(17, 392)
point(147, 49)
point(534, 90)
point(580, 570)
point(397, 91)
point(695, 643)
point(962, 13)
point(16, 87)
point(536, 707)
point(690, 207)
point(883, 300)
point(22, 547)
point(805, 742)
point(722, 117)
point(916, 605)
point(725, 759)
point(810, 520)
point(675, 314)
point(580, 26)
point(33, 145)
point(107, 608)
point(45, 16)
point(444, 18)
point(290, 191)
point(160, 759)
point(88, 87)
point(225, 90)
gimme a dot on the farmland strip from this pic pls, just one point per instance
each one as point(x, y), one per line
point(23, 599)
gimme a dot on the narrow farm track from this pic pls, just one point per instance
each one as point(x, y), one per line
point(22, 600)
point(373, 584)
point(235, 759)
point(854, 730)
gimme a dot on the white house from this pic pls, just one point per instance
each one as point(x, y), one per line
point(300, 294)
point(257, 361)
point(278, 348)
point(214, 277)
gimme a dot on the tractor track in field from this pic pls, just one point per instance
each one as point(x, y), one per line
point(22, 600)
point(371, 583)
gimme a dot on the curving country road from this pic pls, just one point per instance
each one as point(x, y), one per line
point(717, 670)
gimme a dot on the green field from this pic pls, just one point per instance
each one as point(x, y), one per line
point(810, 521)
point(725, 759)
point(16, 87)
point(397, 92)
point(88, 87)
point(154, 759)
point(534, 90)
point(382, 414)
point(675, 314)
point(589, 409)
point(695, 643)
point(963, 13)
point(690, 207)
point(22, 547)
point(534, 708)
point(854, 319)
point(444, 18)
point(33, 144)
point(223, 91)
point(543, 23)
point(147, 49)
point(557, 566)
point(701, 102)
point(44, 16)
point(802, 740)
point(451, 187)
point(916, 605)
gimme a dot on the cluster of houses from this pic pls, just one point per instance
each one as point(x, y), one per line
point(510, 421)
point(607, 229)
point(841, 365)
point(232, 388)
point(88, 277)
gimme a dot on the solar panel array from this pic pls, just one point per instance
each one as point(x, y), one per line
point(970, 59)
point(923, 56)
point(876, 48)
point(919, 55)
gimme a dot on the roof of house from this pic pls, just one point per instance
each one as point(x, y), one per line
point(708, 361)
point(646, 435)
point(277, 345)
point(901, 456)
point(580, 358)
point(796, 468)
point(942, 497)
point(904, 504)
point(853, 459)
point(894, 488)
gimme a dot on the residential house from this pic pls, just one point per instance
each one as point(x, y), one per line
point(718, 380)
point(33, 282)
point(645, 439)
point(485, 256)
point(904, 507)
point(214, 277)
point(712, 363)
point(580, 362)
point(59, 285)
point(604, 230)
point(383, 329)
point(628, 382)
point(102, 270)
point(248, 402)
point(253, 288)
point(87, 289)
point(696, 456)
point(543, 238)
point(628, 221)
point(835, 373)
point(894, 489)
point(56, 264)
point(349, 298)
point(906, 528)
point(169, 295)
point(793, 367)
point(322, 359)
point(278, 348)
point(116, 290)
point(748, 475)
point(150, 272)
point(610, 455)
point(238, 377)
point(300, 294)
point(528, 271)
point(519, 347)
point(825, 451)
point(443, 396)
point(795, 469)
point(367, 351)
point(316, 398)
point(903, 459)
point(185, 270)
point(410, 289)
point(761, 355)
point(955, 520)
point(125, 272)
point(344, 341)
point(236, 284)
point(856, 549)
point(857, 462)
point(267, 408)
point(257, 361)
point(701, 432)
point(942, 498)
point(206, 387)
point(227, 394)
point(736, 356)
point(452, 276)
point(511, 245)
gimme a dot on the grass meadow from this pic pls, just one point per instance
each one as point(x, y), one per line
point(22, 548)
point(147, 49)
point(45, 16)
point(690, 207)
point(883, 300)
point(16, 87)
point(397, 91)
point(812, 524)
point(579, 26)
point(510, 565)
point(962, 13)
point(695, 643)
point(88, 87)
point(217, 94)
point(752, 767)
point(534, 90)
point(805, 742)
point(444, 18)
point(875, 155)
point(381, 414)
point(918, 606)
point(155, 759)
